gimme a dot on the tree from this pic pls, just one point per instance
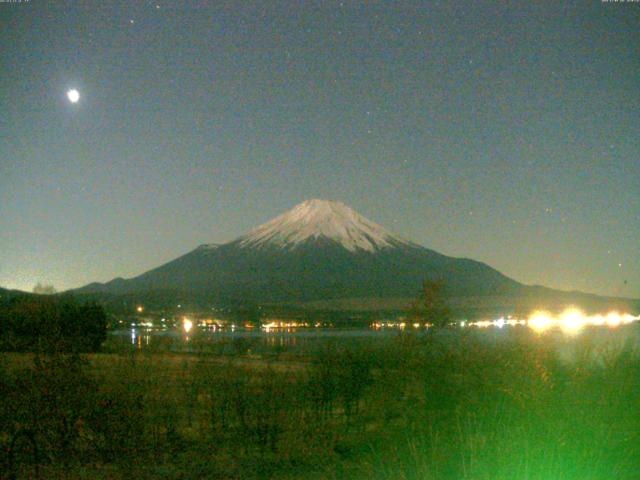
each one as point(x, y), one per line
point(45, 323)
point(93, 329)
point(431, 306)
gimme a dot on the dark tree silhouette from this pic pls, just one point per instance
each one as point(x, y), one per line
point(33, 323)
point(431, 306)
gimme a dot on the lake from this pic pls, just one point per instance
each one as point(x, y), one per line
point(597, 338)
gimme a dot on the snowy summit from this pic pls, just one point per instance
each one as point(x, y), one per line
point(315, 219)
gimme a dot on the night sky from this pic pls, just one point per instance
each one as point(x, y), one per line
point(507, 134)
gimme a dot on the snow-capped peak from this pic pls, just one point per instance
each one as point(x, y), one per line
point(315, 219)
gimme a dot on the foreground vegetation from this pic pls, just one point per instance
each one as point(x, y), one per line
point(44, 323)
point(445, 406)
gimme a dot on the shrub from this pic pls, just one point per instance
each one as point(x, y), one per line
point(51, 324)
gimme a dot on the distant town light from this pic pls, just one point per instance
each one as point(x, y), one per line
point(187, 324)
point(540, 321)
point(613, 319)
point(572, 321)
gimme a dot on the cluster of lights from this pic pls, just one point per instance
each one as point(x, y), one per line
point(210, 323)
point(500, 322)
point(570, 321)
point(267, 327)
point(400, 325)
point(573, 320)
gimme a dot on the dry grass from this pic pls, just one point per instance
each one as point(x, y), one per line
point(449, 407)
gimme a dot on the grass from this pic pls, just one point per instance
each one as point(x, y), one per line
point(449, 406)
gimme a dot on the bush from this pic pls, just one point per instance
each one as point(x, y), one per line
point(53, 325)
point(52, 398)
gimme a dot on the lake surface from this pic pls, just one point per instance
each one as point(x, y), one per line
point(309, 340)
point(243, 340)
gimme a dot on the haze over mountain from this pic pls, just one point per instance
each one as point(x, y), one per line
point(324, 254)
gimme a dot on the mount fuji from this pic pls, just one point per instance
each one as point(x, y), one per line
point(322, 254)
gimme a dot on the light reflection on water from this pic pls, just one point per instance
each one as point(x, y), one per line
point(257, 341)
point(239, 339)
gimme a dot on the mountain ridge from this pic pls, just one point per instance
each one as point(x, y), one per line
point(319, 251)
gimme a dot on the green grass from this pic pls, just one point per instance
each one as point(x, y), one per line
point(453, 406)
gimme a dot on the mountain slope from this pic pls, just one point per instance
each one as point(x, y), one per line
point(318, 251)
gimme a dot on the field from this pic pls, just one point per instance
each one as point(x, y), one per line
point(451, 405)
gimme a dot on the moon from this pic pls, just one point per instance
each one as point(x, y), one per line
point(73, 95)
